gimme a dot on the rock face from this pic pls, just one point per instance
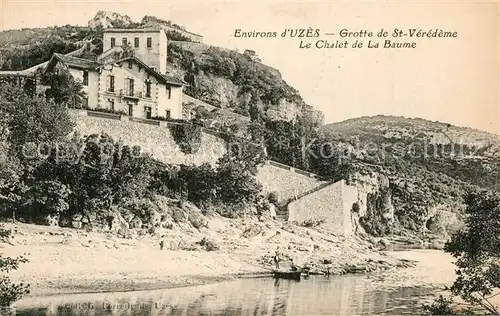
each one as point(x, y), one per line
point(108, 19)
point(375, 212)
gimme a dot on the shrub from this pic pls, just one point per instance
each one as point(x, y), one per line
point(10, 292)
point(187, 136)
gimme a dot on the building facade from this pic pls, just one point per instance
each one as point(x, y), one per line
point(148, 45)
point(129, 77)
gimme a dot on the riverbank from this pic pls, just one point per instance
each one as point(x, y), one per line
point(64, 260)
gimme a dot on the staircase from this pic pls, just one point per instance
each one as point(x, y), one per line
point(282, 210)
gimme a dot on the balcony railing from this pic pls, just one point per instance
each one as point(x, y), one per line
point(130, 94)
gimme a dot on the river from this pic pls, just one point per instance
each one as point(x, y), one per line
point(391, 292)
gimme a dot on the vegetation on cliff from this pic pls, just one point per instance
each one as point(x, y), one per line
point(477, 249)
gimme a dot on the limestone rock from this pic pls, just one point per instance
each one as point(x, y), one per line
point(108, 19)
point(52, 220)
point(135, 223)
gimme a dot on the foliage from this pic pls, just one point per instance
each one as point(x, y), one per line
point(441, 306)
point(177, 36)
point(64, 89)
point(42, 49)
point(10, 292)
point(46, 198)
point(32, 121)
point(477, 249)
point(187, 136)
point(235, 182)
point(228, 183)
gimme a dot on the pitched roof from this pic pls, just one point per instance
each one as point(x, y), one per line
point(76, 62)
point(167, 79)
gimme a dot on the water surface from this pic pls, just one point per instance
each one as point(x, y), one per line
point(390, 292)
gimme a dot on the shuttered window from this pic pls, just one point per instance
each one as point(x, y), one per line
point(110, 83)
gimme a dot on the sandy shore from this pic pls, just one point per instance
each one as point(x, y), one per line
point(64, 260)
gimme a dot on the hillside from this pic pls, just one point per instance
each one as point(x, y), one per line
point(429, 164)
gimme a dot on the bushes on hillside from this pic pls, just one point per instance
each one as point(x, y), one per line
point(187, 136)
point(229, 183)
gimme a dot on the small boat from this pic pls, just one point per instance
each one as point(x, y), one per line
point(290, 275)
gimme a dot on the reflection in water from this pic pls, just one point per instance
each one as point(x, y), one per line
point(318, 295)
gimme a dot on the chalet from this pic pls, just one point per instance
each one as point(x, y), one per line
point(130, 76)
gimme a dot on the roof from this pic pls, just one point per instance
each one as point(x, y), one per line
point(75, 62)
point(163, 78)
point(145, 30)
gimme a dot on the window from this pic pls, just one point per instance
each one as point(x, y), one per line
point(111, 84)
point(124, 41)
point(111, 104)
point(85, 78)
point(130, 64)
point(167, 114)
point(85, 102)
point(136, 42)
point(149, 42)
point(148, 89)
point(113, 42)
point(169, 92)
point(147, 109)
point(130, 87)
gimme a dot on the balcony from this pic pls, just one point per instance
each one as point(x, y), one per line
point(130, 94)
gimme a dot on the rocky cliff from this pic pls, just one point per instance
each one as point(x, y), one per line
point(106, 19)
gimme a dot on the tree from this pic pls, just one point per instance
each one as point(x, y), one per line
point(10, 292)
point(477, 250)
point(251, 55)
point(32, 122)
point(64, 89)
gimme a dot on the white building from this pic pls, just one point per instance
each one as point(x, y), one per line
point(130, 75)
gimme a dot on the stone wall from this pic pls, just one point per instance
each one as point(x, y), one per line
point(287, 184)
point(153, 139)
point(324, 207)
point(156, 139)
point(333, 207)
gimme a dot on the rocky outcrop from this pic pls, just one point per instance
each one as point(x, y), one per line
point(284, 111)
point(108, 19)
point(373, 211)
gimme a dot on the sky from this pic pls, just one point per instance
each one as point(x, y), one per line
point(452, 80)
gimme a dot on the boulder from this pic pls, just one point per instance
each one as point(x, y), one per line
point(52, 220)
point(76, 224)
point(118, 223)
point(272, 211)
point(64, 221)
point(135, 223)
point(178, 215)
point(209, 245)
point(77, 217)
